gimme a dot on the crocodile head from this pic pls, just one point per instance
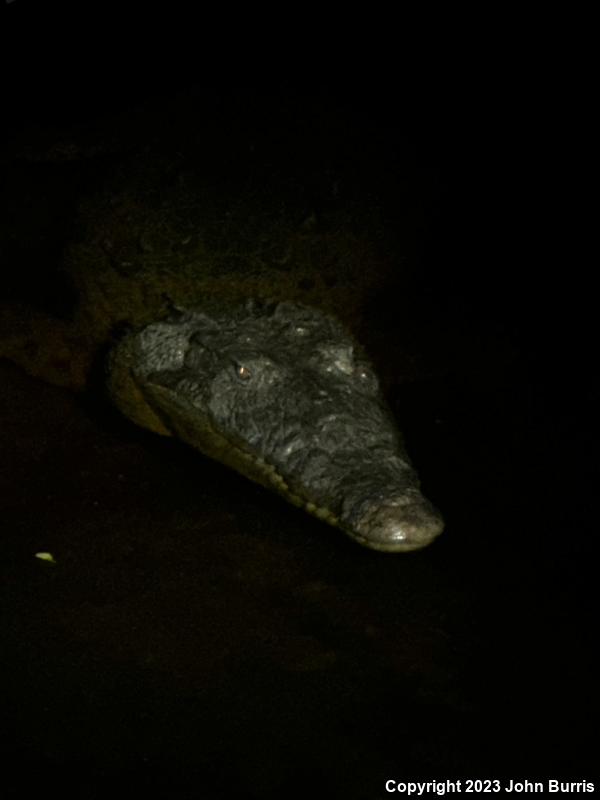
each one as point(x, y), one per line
point(285, 396)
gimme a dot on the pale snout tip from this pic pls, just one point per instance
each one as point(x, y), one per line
point(398, 525)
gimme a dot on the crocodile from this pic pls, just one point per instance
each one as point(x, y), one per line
point(224, 313)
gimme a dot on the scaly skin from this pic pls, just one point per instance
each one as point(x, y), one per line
point(238, 381)
point(285, 396)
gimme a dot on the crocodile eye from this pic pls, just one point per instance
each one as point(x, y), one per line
point(242, 372)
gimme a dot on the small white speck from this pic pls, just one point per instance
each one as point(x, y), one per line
point(46, 557)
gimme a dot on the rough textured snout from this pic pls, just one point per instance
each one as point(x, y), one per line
point(398, 524)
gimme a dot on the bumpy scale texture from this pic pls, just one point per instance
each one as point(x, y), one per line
point(285, 396)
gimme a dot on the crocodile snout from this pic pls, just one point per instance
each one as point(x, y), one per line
point(398, 524)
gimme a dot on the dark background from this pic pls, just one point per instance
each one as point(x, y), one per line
point(197, 637)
